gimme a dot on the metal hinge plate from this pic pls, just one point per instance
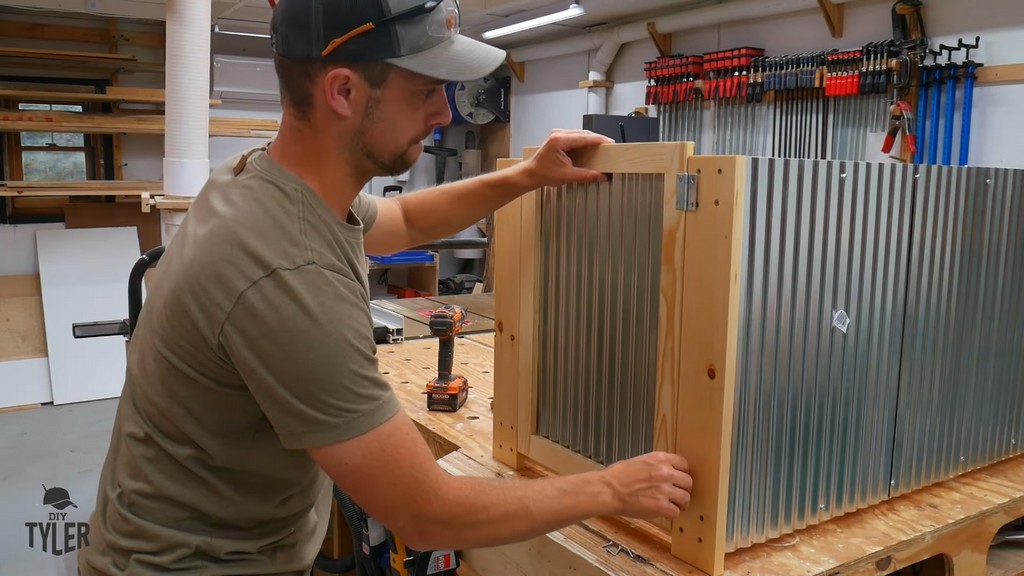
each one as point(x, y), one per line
point(686, 192)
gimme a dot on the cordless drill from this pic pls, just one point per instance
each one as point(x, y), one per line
point(447, 392)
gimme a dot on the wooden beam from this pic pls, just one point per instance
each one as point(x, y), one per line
point(518, 68)
point(507, 244)
point(67, 55)
point(113, 95)
point(1004, 74)
point(597, 84)
point(705, 397)
point(834, 15)
point(663, 42)
point(81, 34)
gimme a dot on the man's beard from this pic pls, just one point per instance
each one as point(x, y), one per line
point(390, 165)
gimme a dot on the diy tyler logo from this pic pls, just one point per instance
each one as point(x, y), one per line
point(57, 535)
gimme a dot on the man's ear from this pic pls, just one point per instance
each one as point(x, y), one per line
point(342, 90)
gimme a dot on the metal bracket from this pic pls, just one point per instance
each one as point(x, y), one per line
point(395, 323)
point(686, 192)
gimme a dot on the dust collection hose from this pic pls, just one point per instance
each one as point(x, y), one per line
point(363, 564)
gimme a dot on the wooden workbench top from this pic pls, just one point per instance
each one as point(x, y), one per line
point(957, 518)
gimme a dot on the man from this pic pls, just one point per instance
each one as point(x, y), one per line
point(252, 383)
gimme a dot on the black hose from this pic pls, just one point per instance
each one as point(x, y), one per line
point(356, 520)
point(330, 565)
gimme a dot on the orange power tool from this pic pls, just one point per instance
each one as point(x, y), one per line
point(447, 392)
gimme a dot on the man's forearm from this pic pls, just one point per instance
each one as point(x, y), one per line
point(482, 512)
point(444, 210)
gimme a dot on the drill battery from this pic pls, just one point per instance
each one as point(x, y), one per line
point(447, 396)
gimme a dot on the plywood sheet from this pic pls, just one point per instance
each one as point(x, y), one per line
point(21, 318)
point(84, 277)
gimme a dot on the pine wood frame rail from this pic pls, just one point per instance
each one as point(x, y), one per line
point(695, 368)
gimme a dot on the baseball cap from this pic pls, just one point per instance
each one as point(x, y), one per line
point(421, 36)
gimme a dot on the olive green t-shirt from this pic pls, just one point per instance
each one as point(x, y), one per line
point(254, 343)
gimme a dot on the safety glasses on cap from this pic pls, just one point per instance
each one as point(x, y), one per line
point(443, 23)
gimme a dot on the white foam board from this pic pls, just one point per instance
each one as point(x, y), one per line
point(18, 247)
point(25, 382)
point(84, 278)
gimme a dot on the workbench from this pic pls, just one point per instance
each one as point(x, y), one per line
point(957, 518)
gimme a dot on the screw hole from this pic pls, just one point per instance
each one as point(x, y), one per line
point(680, 529)
point(719, 170)
point(700, 540)
point(385, 373)
point(716, 203)
point(486, 371)
point(701, 517)
point(472, 417)
point(405, 381)
point(698, 171)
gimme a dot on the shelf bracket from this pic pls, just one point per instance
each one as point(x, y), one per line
point(833, 16)
point(662, 41)
point(518, 68)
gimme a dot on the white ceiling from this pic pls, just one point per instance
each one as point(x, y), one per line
point(477, 15)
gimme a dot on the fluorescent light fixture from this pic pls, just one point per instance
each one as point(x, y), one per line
point(216, 28)
point(572, 11)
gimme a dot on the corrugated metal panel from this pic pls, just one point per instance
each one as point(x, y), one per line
point(599, 277)
point(961, 401)
point(815, 404)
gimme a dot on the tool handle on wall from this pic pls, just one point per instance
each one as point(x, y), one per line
point(922, 111)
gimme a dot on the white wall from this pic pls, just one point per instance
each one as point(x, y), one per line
point(550, 98)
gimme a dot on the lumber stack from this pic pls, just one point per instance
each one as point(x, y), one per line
point(86, 123)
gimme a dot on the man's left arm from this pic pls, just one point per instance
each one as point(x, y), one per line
point(439, 212)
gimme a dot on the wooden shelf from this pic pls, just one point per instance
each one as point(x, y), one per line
point(80, 188)
point(114, 95)
point(47, 121)
point(67, 55)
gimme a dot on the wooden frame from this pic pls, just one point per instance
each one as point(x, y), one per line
point(697, 323)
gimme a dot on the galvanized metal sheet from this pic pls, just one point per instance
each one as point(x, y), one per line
point(961, 403)
point(599, 276)
point(821, 317)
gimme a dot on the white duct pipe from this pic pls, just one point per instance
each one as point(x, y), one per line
point(685, 20)
point(187, 82)
point(597, 96)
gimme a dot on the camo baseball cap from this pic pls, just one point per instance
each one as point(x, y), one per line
point(421, 36)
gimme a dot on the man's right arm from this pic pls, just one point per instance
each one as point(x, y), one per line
point(391, 473)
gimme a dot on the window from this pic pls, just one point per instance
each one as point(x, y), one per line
point(49, 157)
point(52, 156)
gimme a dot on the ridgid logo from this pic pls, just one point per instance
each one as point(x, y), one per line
point(57, 535)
